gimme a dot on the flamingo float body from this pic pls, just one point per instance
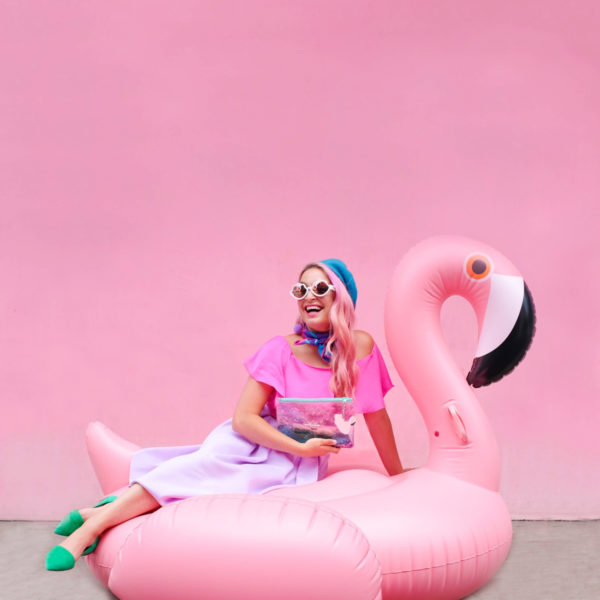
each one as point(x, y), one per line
point(438, 532)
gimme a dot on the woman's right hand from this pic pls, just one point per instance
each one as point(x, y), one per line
point(318, 447)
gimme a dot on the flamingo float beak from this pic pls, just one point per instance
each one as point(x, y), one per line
point(505, 334)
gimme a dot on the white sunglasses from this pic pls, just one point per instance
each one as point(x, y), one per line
point(318, 288)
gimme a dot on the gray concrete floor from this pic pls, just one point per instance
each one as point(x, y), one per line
point(549, 560)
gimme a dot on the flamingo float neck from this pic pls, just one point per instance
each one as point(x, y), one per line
point(462, 443)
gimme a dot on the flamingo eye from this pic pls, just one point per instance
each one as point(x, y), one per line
point(478, 266)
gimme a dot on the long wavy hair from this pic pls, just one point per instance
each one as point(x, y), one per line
point(344, 372)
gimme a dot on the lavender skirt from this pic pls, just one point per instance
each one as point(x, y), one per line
point(226, 463)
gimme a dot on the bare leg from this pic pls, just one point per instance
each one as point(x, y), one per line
point(132, 503)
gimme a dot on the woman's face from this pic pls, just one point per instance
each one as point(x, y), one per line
point(315, 310)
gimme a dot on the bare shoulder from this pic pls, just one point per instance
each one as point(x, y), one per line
point(291, 338)
point(364, 343)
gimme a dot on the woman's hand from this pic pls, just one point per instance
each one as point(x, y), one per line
point(317, 447)
point(381, 431)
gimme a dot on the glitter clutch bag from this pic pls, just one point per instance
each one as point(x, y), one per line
point(306, 418)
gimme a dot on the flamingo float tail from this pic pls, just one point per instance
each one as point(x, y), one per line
point(110, 455)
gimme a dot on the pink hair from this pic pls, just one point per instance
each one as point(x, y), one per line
point(344, 372)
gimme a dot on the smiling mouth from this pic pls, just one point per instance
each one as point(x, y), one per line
point(313, 309)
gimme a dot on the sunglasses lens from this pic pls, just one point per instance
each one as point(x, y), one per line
point(299, 291)
point(320, 288)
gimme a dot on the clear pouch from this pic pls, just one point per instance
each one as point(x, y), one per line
point(306, 418)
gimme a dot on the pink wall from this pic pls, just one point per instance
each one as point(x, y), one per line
point(166, 168)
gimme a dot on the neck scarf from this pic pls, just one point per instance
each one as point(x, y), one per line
point(314, 338)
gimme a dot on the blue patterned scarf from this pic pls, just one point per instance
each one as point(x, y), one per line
point(314, 338)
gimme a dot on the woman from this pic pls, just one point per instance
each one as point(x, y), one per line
point(324, 357)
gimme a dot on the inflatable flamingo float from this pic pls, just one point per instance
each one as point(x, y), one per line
point(437, 532)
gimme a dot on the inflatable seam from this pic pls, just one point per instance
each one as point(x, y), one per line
point(475, 556)
point(125, 540)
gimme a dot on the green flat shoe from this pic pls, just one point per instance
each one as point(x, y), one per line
point(70, 523)
point(91, 548)
point(106, 500)
point(74, 520)
point(59, 559)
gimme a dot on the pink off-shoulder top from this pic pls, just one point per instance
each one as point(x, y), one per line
point(275, 364)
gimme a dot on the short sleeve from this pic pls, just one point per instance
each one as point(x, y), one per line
point(373, 383)
point(267, 364)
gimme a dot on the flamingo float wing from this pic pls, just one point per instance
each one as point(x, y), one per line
point(234, 546)
point(435, 535)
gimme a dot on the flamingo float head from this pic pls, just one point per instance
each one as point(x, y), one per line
point(462, 442)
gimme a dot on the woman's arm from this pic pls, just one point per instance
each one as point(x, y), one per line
point(381, 431)
point(248, 422)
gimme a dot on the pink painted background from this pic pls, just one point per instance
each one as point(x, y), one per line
point(167, 167)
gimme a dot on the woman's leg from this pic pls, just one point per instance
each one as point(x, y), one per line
point(133, 502)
